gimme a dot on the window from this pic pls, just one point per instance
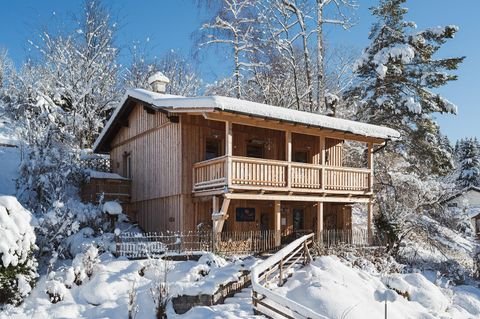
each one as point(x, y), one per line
point(452, 204)
point(300, 156)
point(255, 149)
point(127, 165)
point(212, 148)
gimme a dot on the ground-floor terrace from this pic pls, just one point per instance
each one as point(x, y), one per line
point(285, 219)
point(252, 226)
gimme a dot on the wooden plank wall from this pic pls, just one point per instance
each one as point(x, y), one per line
point(195, 131)
point(275, 149)
point(334, 150)
point(163, 154)
point(337, 216)
point(306, 143)
point(155, 147)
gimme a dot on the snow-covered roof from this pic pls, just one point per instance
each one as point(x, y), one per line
point(180, 104)
point(104, 175)
point(463, 192)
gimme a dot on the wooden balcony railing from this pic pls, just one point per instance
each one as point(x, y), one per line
point(254, 173)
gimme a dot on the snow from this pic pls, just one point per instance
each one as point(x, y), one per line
point(331, 287)
point(403, 52)
point(97, 291)
point(439, 30)
point(16, 233)
point(412, 105)
point(178, 104)
point(158, 76)
point(105, 293)
point(104, 175)
point(9, 157)
point(8, 136)
point(112, 208)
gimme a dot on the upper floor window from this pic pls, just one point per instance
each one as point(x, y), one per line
point(212, 148)
point(127, 165)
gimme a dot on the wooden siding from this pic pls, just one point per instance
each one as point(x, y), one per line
point(154, 145)
point(164, 153)
point(334, 152)
point(160, 214)
point(110, 189)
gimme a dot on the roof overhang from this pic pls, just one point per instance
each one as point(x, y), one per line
point(211, 105)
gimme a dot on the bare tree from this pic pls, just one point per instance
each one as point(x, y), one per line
point(341, 19)
point(233, 26)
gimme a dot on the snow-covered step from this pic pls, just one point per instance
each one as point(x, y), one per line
point(244, 296)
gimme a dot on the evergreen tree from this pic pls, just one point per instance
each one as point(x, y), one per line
point(396, 74)
point(469, 159)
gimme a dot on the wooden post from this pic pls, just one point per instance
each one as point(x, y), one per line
point(228, 151)
point(319, 225)
point(369, 221)
point(288, 156)
point(277, 218)
point(370, 166)
point(322, 160)
point(214, 222)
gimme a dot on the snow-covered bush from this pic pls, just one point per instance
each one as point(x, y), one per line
point(84, 264)
point(63, 221)
point(18, 266)
point(56, 290)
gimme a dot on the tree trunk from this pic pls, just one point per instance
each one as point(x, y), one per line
point(320, 69)
point(237, 69)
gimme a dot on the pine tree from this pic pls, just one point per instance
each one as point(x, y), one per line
point(396, 75)
point(469, 158)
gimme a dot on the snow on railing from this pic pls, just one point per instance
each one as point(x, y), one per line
point(275, 269)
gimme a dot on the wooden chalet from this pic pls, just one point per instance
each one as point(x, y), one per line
point(237, 165)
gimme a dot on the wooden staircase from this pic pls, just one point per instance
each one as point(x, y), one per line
point(273, 272)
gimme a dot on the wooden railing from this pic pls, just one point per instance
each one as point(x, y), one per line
point(210, 174)
point(343, 178)
point(258, 172)
point(154, 244)
point(354, 237)
point(274, 271)
point(246, 172)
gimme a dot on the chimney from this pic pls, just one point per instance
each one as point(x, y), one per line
point(158, 81)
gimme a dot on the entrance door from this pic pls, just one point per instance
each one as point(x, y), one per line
point(298, 219)
point(265, 221)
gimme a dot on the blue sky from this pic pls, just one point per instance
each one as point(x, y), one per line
point(169, 24)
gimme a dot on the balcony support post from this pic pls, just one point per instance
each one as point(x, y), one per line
point(370, 166)
point(319, 226)
point(277, 220)
point(228, 152)
point(288, 156)
point(369, 221)
point(322, 161)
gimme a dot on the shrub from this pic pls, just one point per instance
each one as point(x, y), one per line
point(18, 266)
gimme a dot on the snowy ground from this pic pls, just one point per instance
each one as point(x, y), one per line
point(9, 158)
point(106, 293)
point(328, 285)
point(336, 290)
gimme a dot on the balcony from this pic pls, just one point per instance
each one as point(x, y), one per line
point(245, 173)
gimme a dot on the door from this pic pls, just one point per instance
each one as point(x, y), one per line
point(298, 220)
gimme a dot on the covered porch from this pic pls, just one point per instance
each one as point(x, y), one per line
point(280, 159)
point(286, 220)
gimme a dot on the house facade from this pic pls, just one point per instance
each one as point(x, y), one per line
point(468, 200)
point(235, 165)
